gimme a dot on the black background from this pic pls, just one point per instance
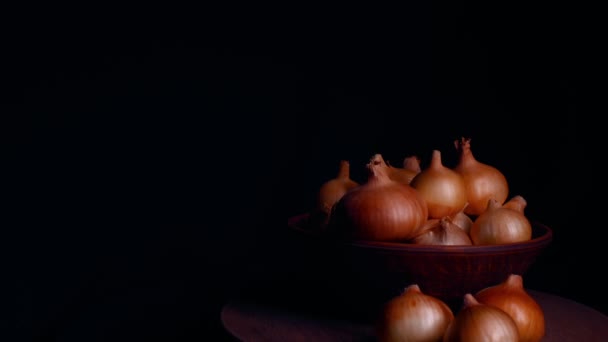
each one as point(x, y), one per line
point(153, 154)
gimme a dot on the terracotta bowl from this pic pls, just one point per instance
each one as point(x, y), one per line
point(381, 270)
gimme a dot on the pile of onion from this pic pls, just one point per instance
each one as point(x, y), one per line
point(413, 316)
point(381, 209)
point(482, 181)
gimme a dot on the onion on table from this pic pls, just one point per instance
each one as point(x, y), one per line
point(512, 297)
point(413, 316)
point(478, 322)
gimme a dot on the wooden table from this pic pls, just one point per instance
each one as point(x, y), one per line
point(250, 321)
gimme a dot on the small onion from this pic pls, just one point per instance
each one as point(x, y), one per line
point(462, 220)
point(405, 174)
point(517, 203)
point(443, 232)
point(411, 167)
point(332, 190)
point(477, 322)
point(443, 189)
point(482, 181)
point(413, 316)
point(499, 225)
point(380, 209)
point(512, 298)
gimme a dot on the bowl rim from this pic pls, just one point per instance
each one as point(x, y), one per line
point(295, 223)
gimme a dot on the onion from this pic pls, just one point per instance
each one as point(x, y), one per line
point(332, 190)
point(380, 209)
point(413, 316)
point(482, 181)
point(477, 322)
point(517, 203)
point(512, 298)
point(500, 225)
point(442, 232)
point(442, 188)
point(462, 220)
point(411, 167)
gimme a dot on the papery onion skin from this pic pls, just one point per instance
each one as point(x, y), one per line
point(443, 233)
point(482, 181)
point(413, 316)
point(498, 225)
point(443, 189)
point(511, 297)
point(380, 209)
point(477, 322)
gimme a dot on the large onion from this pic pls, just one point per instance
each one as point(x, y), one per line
point(482, 181)
point(477, 322)
point(413, 316)
point(512, 298)
point(442, 188)
point(380, 209)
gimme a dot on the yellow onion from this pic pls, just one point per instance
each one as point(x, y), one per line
point(500, 225)
point(405, 174)
point(413, 316)
point(380, 209)
point(442, 188)
point(512, 298)
point(332, 190)
point(477, 322)
point(517, 203)
point(482, 181)
point(442, 232)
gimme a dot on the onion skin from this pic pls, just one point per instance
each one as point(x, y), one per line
point(443, 189)
point(413, 316)
point(380, 209)
point(499, 225)
point(511, 297)
point(482, 181)
point(477, 322)
point(442, 232)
